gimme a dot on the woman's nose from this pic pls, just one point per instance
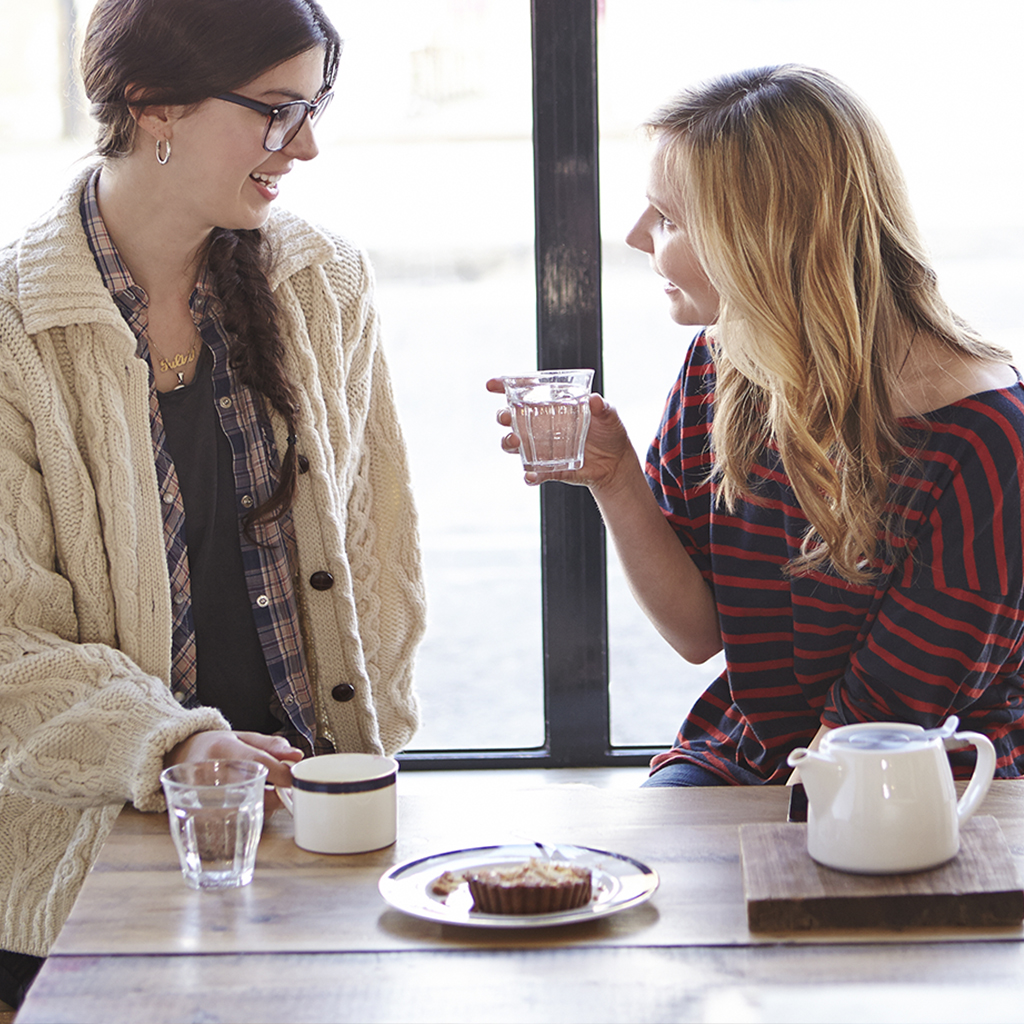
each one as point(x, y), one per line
point(303, 146)
point(639, 236)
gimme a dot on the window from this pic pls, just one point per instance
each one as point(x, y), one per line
point(464, 151)
point(614, 691)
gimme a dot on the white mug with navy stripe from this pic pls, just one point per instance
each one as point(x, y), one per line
point(343, 803)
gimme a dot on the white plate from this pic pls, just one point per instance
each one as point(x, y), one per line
point(618, 881)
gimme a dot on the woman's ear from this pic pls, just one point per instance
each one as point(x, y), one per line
point(155, 120)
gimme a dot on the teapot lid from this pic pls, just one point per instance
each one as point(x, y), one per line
point(889, 735)
point(879, 739)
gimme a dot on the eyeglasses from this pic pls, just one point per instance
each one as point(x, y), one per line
point(283, 120)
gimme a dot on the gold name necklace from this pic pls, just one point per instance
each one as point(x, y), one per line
point(179, 362)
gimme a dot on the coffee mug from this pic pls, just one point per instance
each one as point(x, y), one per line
point(343, 803)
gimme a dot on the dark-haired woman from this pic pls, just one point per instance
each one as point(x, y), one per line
point(207, 538)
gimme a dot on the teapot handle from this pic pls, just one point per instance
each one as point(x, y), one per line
point(984, 771)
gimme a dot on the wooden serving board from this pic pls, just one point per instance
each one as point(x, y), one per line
point(787, 891)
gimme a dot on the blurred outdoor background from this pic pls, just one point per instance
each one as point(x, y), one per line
point(426, 161)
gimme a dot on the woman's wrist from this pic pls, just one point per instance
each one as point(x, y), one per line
point(625, 484)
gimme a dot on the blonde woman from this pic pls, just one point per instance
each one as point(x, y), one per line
point(834, 494)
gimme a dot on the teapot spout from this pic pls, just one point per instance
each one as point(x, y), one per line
point(819, 775)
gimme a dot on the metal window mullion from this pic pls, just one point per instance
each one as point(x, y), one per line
point(568, 269)
point(568, 334)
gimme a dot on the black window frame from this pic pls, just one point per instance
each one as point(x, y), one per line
point(568, 284)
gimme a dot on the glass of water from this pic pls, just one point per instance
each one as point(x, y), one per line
point(550, 415)
point(216, 814)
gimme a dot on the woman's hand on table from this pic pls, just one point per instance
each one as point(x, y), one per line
point(608, 446)
point(274, 752)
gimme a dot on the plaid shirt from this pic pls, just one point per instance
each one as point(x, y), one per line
point(267, 562)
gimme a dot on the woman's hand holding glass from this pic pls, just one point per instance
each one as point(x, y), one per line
point(663, 578)
point(608, 449)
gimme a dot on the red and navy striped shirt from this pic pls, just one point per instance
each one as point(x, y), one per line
point(938, 632)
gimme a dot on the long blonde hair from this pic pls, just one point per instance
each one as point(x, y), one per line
point(798, 212)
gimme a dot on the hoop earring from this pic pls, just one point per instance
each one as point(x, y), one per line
point(167, 157)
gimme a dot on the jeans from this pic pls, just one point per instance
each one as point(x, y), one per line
point(683, 773)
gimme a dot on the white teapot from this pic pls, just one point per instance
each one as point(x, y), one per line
point(881, 797)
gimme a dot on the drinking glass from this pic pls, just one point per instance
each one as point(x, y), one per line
point(216, 815)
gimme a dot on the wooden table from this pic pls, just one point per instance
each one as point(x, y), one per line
point(311, 939)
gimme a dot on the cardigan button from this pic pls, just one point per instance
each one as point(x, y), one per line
point(321, 580)
point(343, 692)
point(303, 464)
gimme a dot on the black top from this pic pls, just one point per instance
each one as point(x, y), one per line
point(231, 672)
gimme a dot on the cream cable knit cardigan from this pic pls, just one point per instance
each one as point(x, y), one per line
point(85, 619)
